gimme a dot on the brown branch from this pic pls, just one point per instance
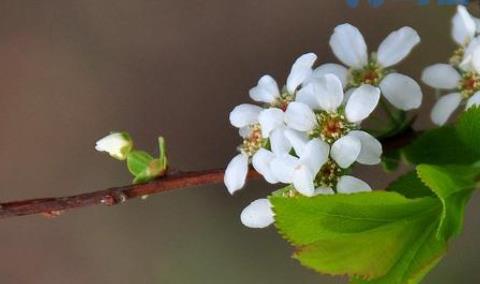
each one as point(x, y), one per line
point(171, 181)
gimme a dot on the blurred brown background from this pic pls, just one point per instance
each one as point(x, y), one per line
point(71, 71)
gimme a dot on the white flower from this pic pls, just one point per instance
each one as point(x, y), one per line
point(301, 171)
point(349, 47)
point(267, 90)
point(325, 95)
point(463, 86)
point(257, 214)
point(464, 26)
point(117, 145)
point(313, 173)
point(249, 119)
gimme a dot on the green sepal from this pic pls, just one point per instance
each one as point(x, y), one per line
point(138, 162)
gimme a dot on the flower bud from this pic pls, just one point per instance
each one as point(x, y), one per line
point(117, 145)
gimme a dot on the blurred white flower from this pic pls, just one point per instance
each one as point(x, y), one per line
point(349, 47)
point(334, 124)
point(117, 145)
point(257, 214)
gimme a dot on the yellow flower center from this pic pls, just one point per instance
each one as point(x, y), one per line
point(331, 126)
point(469, 84)
point(328, 175)
point(371, 74)
point(254, 141)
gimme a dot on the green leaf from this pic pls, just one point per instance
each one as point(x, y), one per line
point(392, 237)
point(138, 162)
point(468, 128)
point(391, 160)
point(454, 186)
point(440, 146)
point(366, 235)
point(410, 186)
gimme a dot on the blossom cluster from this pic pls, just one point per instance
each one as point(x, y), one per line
point(460, 78)
point(308, 133)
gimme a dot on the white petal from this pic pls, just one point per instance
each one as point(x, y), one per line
point(299, 117)
point(348, 45)
point(444, 108)
point(244, 115)
point(473, 100)
point(265, 91)
point(401, 91)
point(463, 26)
point(297, 139)
point(371, 148)
point(278, 142)
point(324, 191)
point(283, 167)
point(349, 184)
point(303, 180)
point(396, 46)
point(244, 132)
point(331, 68)
point(348, 94)
point(345, 150)
point(261, 162)
point(315, 155)
point(476, 60)
point(236, 173)
point(441, 76)
point(361, 103)
point(116, 144)
point(329, 92)
point(270, 119)
point(257, 214)
point(301, 70)
point(307, 95)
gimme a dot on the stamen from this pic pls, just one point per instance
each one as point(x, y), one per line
point(328, 175)
point(371, 74)
point(457, 56)
point(469, 84)
point(331, 126)
point(254, 141)
point(283, 101)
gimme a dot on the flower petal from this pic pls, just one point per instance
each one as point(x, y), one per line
point(116, 144)
point(307, 95)
point(371, 148)
point(257, 214)
point(473, 100)
point(278, 142)
point(441, 76)
point(329, 92)
point(345, 150)
point(361, 103)
point(323, 191)
point(331, 68)
point(297, 139)
point(265, 91)
point(236, 173)
point(444, 108)
point(244, 115)
point(301, 70)
point(299, 117)
point(463, 26)
point(401, 91)
point(349, 184)
point(283, 167)
point(348, 45)
point(270, 119)
point(303, 180)
point(396, 46)
point(315, 155)
point(261, 163)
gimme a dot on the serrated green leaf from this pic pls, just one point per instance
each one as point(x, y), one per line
point(138, 162)
point(468, 127)
point(440, 146)
point(366, 235)
point(453, 185)
point(410, 186)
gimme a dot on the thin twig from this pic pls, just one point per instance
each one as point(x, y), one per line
point(171, 181)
